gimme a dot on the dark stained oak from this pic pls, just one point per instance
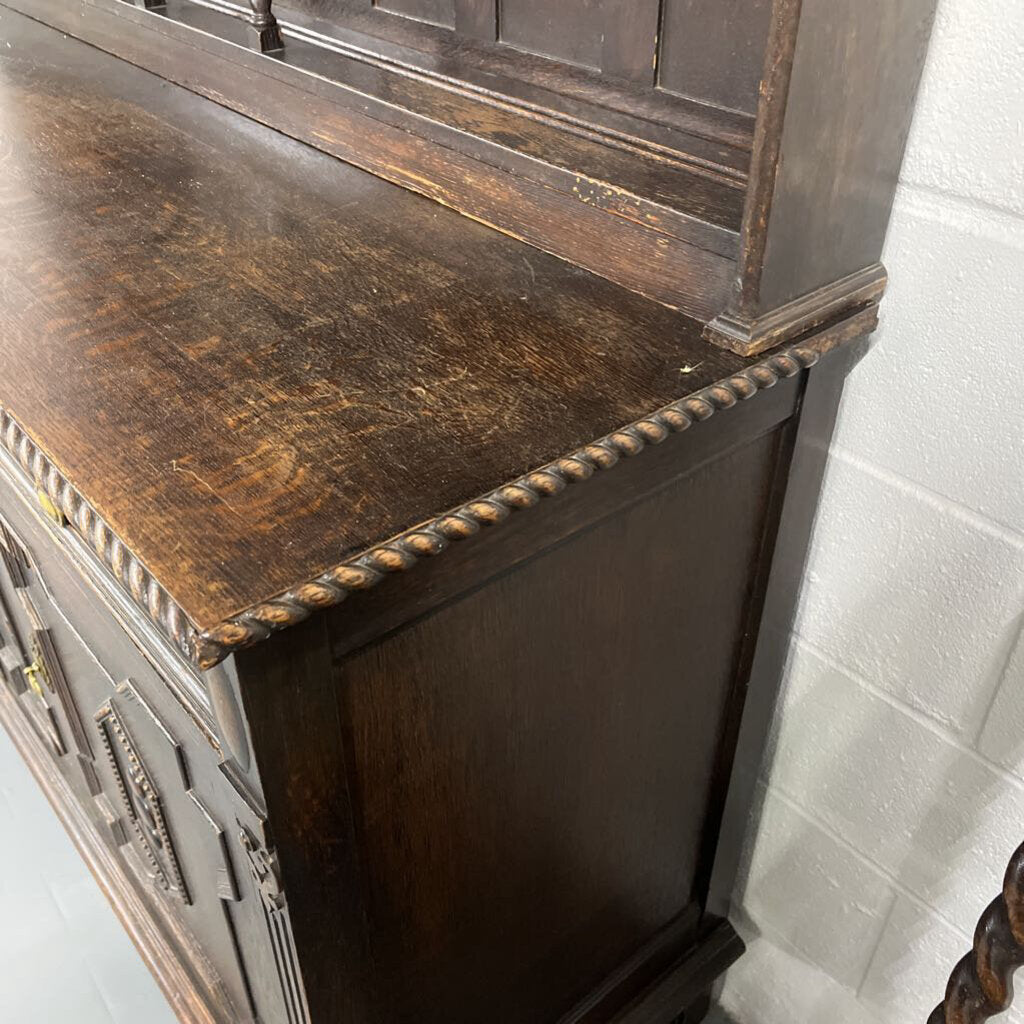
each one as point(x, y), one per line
point(571, 31)
point(517, 791)
point(840, 152)
point(631, 43)
point(306, 360)
point(671, 191)
point(767, 641)
point(433, 12)
point(659, 216)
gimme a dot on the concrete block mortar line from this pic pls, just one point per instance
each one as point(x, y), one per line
point(878, 943)
point(1017, 637)
point(943, 733)
point(899, 888)
point(939, 502)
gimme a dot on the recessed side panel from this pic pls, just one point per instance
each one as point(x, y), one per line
point(569, 31)
point(608, 36)
point(713, 51)
point(531, 765)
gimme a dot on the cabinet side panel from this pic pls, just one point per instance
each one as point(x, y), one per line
point(529, 765)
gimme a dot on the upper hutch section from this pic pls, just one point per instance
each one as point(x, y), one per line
point(732, 159)
point(704, 51)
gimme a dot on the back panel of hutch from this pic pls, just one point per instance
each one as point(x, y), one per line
point(395, 589)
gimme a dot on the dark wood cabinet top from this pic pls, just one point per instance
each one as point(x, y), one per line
point(252, 359)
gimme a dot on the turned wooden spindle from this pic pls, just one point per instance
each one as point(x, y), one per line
point(264, 32)
point(981, 984)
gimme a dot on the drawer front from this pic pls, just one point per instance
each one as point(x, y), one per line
point(138, 748)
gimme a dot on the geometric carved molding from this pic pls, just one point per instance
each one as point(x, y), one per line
point(46, 722)
point(227, 887)
point(226, 884)
point(129, 572)
point(162, 950)
point(39, 674)
point(266, 878)
point(142, 805)
point(43, 675)
point(47, 665)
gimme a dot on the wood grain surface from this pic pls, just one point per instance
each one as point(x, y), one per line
point(253, 359)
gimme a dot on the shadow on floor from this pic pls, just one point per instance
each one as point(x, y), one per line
point(717, 1016)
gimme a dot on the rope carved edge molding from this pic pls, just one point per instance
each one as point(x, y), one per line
point(981, 984)
point(65, 503)
point(401, 552)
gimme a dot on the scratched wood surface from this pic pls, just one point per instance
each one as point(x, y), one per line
point(253, 359)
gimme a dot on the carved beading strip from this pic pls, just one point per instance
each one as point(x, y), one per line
point(364, 570)
point(981, 984)
point(136, 579)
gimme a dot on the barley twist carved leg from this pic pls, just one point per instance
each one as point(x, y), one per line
point(981, 985)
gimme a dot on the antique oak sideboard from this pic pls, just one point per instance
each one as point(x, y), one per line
point(412, 417)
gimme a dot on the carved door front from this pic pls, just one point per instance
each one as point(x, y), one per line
point(31, 665)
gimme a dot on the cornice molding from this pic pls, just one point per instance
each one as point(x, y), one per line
point(206, 648)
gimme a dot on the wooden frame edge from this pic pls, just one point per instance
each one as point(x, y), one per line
point(686, 981)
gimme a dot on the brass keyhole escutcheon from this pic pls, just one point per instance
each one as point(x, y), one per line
point(53, 513)
point(33, 673)
point(36, 673)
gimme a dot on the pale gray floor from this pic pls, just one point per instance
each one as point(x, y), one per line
point(64, 957)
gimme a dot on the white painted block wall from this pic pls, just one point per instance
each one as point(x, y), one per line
point(893, 794)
